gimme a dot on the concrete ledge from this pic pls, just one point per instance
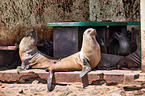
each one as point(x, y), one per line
point(8, 47)
point(125, 77)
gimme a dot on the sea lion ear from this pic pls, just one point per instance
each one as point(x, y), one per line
point(86, 68)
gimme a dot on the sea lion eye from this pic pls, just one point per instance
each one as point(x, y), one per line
point(89, 31)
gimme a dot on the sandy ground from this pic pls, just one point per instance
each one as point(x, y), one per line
point(38, 89)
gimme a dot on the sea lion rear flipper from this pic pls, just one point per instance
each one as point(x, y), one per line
point(86, 67)
point(49, 81)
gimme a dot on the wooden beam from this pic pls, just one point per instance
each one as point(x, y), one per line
point(142, 9)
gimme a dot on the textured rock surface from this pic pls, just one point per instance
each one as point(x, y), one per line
point(114, 10)
point(17, 17)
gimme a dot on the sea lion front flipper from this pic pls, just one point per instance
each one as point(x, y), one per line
point(23, 66)
point(49, 81)
point(86, 67)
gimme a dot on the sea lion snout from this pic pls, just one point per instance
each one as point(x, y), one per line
point(116, 35)
point(91, 32)
point(31, 33)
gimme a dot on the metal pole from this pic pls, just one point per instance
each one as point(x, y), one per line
point(142, 11)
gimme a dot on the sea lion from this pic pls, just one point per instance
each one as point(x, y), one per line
point(46, 48)
point(29, 54)
point(85, 60)
point(133, 60)
point(134, 40)
point(102, 45)
point(121, 46)
point(109, 61)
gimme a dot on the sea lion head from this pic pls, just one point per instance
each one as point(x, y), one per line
point(120, 36)
point(90, 32)
point(32, 36)
point(28, 42)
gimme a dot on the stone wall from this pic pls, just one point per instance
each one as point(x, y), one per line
point(17, 17)
point(114, 10)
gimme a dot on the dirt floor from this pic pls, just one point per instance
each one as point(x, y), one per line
point(38, 89)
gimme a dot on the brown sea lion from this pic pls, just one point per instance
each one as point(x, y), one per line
point(29, 54)
point(85, 60)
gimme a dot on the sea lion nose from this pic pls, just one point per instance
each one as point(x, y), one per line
point(116, 34)
point(94, 31)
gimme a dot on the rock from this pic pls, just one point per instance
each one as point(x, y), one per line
point(99, 82)
point(3, 86)
point(35, 82)
point(113, 94)
point(132, 87)
point(93, 92)
point(73, 95)
point(79, 86)
point(116, 93)
point(111, 83)
point(21, 91)
point(65, 92)
point(12, 86)
point(62, 89)
point(8, 91)
point(82, 94)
